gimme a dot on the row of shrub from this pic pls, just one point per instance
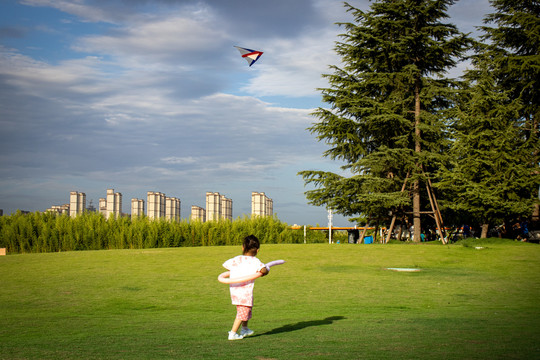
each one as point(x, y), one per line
point(48, 232)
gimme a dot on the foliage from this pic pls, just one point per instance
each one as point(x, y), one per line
point(394, 116)
point(387, 107)
point(48, 232)
point(489, 176)
point(493, 175)
point(514, 46)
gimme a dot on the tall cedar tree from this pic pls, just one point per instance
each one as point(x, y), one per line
point(493, 172)
point(387, 102)
point(515, 50)
point(486, 179)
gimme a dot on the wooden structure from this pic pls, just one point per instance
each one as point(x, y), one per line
point(435, 212)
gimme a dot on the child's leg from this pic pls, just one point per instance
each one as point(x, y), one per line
point(236, 325)
point(243, 314)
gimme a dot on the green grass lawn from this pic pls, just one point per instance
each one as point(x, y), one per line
point(326, 302)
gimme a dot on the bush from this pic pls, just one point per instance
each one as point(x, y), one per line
point(48, 232)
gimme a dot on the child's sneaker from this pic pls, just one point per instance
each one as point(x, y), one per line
point(235, 336)
point(246, 332)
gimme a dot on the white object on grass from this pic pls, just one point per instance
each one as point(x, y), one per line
point(404, 269)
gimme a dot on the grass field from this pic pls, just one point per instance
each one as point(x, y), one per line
point(326, 302)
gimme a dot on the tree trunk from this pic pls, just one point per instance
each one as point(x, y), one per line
point(417, 148)
point(484, 233)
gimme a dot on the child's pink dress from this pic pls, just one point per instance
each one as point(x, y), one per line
point(240, 266)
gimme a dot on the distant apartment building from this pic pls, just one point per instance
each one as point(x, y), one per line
point(102, 206)
point(155, 205)
point(269, 207)
point(77, 203)
point(172, 208)
point(213, 206)
point(261, 205)
point(226, 208)
point(218, 207)
point(59, 209)
point(111, 205)
point(198, 213)
point(137, 208)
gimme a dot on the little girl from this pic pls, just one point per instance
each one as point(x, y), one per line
point(242, 293)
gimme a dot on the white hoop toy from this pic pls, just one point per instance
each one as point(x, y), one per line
point(225, 277)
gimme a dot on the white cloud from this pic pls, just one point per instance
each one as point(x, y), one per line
point(75, 7)
point(175, 40)
point(179, 160)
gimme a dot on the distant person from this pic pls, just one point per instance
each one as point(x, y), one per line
point(466, 231)
point(524, 230)
point(516, 230)
point(242, 293)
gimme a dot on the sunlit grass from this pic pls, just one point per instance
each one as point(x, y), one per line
point(326, 302)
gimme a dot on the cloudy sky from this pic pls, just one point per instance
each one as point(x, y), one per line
point(151, 95)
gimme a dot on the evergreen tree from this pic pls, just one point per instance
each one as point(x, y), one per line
point(387, 102)
point(493, 174)
point(486, 180)
point(515, 46)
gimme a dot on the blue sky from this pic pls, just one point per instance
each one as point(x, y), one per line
point(151, 95)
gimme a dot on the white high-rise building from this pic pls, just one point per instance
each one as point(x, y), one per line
point(102, 207)
point(226, 208)
point(137, 208)
point(155, 205)
point(172, 208)
point(77, 203)
point(213, 206)
point(261, 205)
point(269, 207)
point(198, 213)
point(218, 206)
point(113, 204)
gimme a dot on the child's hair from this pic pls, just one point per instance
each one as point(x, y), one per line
point(251, 245)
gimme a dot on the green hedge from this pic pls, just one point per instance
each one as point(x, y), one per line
point(48, 232)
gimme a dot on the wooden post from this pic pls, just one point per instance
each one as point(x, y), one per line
point(437, 212)
point(435, 215)
point(390, 229)
point(361, 240)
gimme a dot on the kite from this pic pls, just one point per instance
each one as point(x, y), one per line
point(250, 55)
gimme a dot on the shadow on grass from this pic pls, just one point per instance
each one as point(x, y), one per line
point(301, 325)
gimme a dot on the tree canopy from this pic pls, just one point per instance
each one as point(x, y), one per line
point(493, 173)
point(387, 105)
point(394, 116)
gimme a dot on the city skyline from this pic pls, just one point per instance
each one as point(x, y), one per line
point(159, 205)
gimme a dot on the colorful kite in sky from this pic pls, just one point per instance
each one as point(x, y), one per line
point(250, 55)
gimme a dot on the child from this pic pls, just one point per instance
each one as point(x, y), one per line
point(242, 293)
